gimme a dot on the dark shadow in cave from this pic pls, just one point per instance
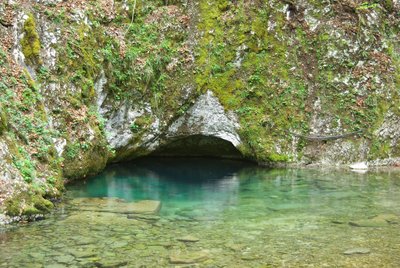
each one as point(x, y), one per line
point(198, 146)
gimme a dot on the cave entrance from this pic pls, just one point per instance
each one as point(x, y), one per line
point(198, 146)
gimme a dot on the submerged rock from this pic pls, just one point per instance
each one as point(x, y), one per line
point(389, 218)
point(338, 222)
point(110, 263)
point(144, 207)
point(188, 238)
point(235, 247)
point(115, 205)
point(250, 256)
point(38, 256)
point(145, 217)
point(381, 220)
point(82, 253)
point(80, 241)
point(188, 258)
point(369, 223)
point(118, 244)
point(56, 265)
point(65, 259)
point(93, 203)
point(353, 251)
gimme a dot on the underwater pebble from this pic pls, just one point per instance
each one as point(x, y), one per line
point(188, 258)
point(353, 251)
point(188, 238)
point(65, 259)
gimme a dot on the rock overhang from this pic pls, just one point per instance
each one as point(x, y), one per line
point(206, 127)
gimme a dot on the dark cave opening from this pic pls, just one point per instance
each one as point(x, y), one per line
point(198, 146)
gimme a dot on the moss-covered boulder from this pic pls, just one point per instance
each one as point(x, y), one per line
point(27, 204)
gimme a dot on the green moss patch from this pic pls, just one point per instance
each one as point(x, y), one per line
point(30, 42)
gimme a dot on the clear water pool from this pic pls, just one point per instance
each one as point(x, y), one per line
point(229, 214)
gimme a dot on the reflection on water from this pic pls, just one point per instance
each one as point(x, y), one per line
point(211, 184)
point(243, 216)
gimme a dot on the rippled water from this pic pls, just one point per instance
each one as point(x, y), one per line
point(242, 216)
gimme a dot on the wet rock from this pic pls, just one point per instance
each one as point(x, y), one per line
point(97, 204)
point(381, 220)
point(250, 257)
point(369, 223)
point(143, 217)
point(156, 248)
point(188, 258)
point(56, 265)
point(236, 247)
point(163, 244)
point(119, 244)
point(359, 166)
point(157, 224)
point(84, 241)
point(111, 263)
point(353, 251)
point(188, 238)
point(36, 255)
point(389, 218)
point(115, 205)
point(140, 246)
point(82, 253)
point(204, 218)
point(338, 222)
point(65, 259)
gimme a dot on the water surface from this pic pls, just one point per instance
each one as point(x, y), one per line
point(243, 216)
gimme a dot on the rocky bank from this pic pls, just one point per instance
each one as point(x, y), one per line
point(85, 83)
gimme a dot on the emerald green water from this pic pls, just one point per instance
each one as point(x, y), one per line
point(241, 214)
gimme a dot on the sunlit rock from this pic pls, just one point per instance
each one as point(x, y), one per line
point(359, 166)
point(207, 117)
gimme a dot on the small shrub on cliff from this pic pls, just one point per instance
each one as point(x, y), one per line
point(135, 128)
point(367, 5)
point(27, 169)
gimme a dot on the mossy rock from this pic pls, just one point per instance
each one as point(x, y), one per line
point(27, 203)
point(3, 121)
point(273, 157)
point(86, 163)
point(41, 204)
point(30, 211)
point(13, 207)
point(30, 42)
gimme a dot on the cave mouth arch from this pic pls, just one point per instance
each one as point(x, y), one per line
point(198, 146)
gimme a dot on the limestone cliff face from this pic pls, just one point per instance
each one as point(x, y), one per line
point(86, 83)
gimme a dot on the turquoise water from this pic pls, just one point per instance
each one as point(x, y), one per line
point(228, 214)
